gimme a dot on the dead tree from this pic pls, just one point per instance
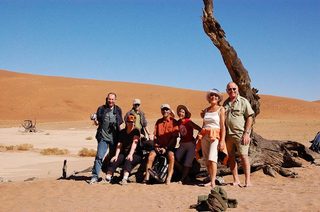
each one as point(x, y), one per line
point(29, 126)
point(271, 156)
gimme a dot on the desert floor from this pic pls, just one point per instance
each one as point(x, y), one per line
point(61, 106)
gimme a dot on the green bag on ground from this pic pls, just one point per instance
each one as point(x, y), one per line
point(216, 201)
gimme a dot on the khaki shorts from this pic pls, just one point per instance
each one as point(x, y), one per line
point(234, 145)
point(209, 149)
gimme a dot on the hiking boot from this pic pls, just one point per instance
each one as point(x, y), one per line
point(124, 182)
point(93, 180)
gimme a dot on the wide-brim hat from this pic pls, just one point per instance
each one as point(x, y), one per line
point(186, 110)
point(215, 91)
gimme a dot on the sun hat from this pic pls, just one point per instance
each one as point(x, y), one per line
point(215, 91)
point(186, 110)
point(165, 106)
point(136, 101)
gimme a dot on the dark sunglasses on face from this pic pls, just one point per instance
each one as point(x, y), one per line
point(165, 109)
point(232, 89)
point(136, 104)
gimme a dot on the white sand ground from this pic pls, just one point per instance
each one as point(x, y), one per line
point(21, 165)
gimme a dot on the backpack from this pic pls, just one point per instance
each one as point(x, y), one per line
point(315, 146)
point(146, 145)
point(159, 169)
point(217, 201)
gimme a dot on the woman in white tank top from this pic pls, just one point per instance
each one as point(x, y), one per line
point(213, 133)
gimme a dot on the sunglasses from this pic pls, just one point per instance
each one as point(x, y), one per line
point(232, 89)
point(136, 104)
point(165, 109)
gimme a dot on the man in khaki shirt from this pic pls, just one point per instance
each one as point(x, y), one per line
point(238, 128)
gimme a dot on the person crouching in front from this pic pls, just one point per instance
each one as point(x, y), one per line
point(166, 131)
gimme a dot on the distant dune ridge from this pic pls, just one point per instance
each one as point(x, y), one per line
point(51, 99)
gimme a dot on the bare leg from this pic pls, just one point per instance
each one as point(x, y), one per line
point(246, 168)
point(212, 170)
point(151, 157)
point(234, 169)
point(170, 168)
point(213, 173)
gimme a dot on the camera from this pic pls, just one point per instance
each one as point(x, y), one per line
point(93, 116)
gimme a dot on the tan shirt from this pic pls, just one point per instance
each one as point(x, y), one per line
point(138, 120)
point(236, 116)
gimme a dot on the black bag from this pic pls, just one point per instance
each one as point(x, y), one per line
point(315, 146)
point(146, 145)
point(159, 169)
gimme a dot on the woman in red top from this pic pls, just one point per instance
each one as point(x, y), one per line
point(186, 151)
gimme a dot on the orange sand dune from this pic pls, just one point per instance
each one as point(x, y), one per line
point(52, 99)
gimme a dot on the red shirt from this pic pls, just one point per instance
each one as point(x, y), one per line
point(186, 131)
point(165, 131)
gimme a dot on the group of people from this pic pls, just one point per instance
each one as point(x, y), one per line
point(225, 128)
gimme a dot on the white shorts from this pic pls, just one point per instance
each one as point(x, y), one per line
point(209, 149)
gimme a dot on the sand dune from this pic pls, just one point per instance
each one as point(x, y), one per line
point(51, 99)
point(62, 106)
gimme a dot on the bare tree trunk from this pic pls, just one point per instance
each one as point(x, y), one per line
point(233, 63)
point(271, 156)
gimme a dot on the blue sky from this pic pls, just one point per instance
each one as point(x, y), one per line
point(162, 42)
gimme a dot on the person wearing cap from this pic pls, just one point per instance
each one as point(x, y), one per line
point(166, 131)
point(186, 149)
point(141, 121)
point(212, 133)
point(108, 119)
point(127, 152)
point(238, 129)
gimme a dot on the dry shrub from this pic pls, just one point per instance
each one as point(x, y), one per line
point(20, 147)
point(11, 147)
point(54, 151)
point(89, 138)
point(3, 148)
point(84, 152)
point(24, 147)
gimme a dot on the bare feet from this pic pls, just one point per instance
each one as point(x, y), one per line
point(207, 184)
point(235, 184)
point(145, 180)
point(168, 181)
point(248, 185)
point(212, 185)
